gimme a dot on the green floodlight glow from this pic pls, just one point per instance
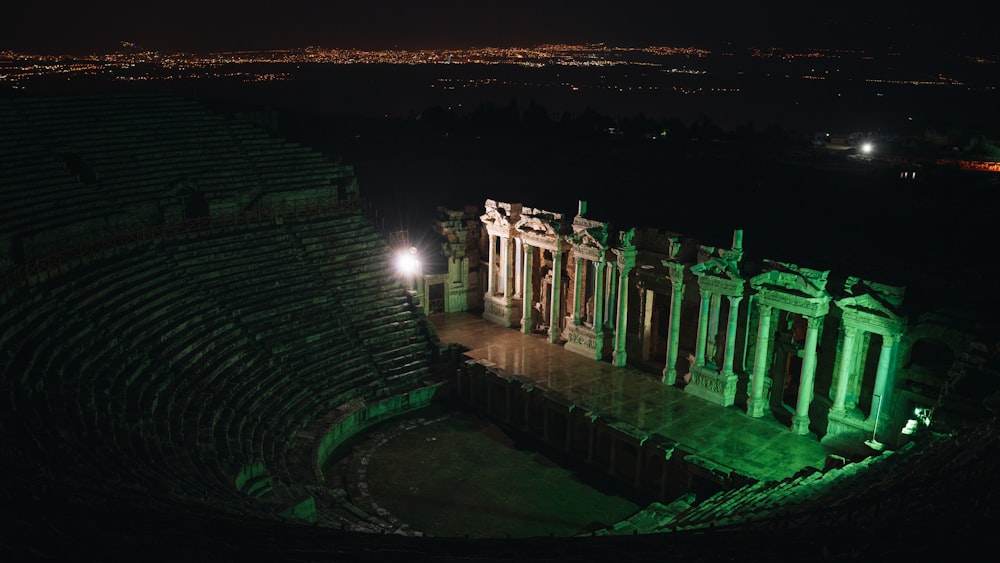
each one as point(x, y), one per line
point(407, 262)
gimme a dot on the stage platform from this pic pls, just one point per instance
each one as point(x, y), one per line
point(759, 448)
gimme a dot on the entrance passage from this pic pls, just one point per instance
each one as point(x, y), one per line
point(456, 474)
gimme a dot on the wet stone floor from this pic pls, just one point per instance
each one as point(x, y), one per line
point(452, 473)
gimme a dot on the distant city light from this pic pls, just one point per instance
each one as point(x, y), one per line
point(867, 148)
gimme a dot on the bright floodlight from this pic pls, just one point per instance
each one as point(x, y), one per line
point(407, 262)
point(867, 148)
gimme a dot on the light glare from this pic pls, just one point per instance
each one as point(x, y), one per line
point(407, 262)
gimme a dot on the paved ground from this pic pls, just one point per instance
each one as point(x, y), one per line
point(761, 448)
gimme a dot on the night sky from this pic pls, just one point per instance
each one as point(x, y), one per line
point(59, 26)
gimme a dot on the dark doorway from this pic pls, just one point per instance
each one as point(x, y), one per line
point(193, 202)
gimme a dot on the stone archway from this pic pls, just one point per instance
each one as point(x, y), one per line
point(934, 333)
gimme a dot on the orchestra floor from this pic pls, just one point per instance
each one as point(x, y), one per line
point(760, 448)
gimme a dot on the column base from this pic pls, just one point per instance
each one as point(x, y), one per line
point(498, 310)
point(714, 387)
point(759, 408)
point(669, 376)
point(619, 359)
point(756, 409)
point(848, 426)
point(584, 340)
point(800, 424)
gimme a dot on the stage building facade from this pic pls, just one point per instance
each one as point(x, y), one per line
point(828, 353)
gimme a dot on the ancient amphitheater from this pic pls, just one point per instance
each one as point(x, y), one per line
point(196, 313)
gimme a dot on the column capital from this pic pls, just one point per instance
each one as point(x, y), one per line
point(764, 309)
point(814, 322)
point(850, 330)
point(705, 293)
point(676, 268)
point(734, 299)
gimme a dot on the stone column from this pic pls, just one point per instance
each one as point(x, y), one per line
point(731, 326)
point(756, 406)
point(621, 325)
point(715, 304)
point(844, 371)
point(518, 267)
point(800, 420)
point(673, 330)
point(599, 289)
point(858, 372)
point(699, 353)
point(646, 300)
point(577, 290)
point(505, 266)
point(555, 307)
point(882, 375)
point(528, 294)
point(490, 284)
point(612, 282)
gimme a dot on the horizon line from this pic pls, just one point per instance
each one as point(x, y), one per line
point(125, 47)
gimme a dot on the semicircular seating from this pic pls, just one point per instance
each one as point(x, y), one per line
point(187, 367)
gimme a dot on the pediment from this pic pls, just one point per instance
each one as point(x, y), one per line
point(717, 267)
point(501, 214)
point(792, 278)
point(539, 222)
point(871, 297)
point(595, 236)
point(866, 303)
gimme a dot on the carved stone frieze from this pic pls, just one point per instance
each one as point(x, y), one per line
point(873, 323)
point(722, 286)
point(589, 253)
point(499, 310)
point(792, 279)
point(715, 387)
point(584, 340)
point(552, 243)
point(803, 305)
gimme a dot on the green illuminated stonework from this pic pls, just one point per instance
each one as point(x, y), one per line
point(763, 338)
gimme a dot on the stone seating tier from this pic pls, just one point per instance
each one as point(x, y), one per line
point(172, 377)
point(128, 170)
